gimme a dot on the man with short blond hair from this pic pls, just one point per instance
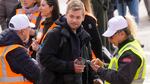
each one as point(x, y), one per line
point(63, 64)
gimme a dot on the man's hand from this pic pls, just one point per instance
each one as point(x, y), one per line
point(96, 64)
point(99, 62)
point(35, 45)
point(79, 66)
point(98, 81)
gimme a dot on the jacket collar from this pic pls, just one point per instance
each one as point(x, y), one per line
point(9, 37)
point(129, 39)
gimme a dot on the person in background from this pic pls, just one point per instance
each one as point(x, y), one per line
point(90, 25)
point(101, 10)
point(31, 9)
point(128, 65)
point(6, 7)
point(133, 6)
point(16, 66)
point(147, 5)
point(111, 8)
point(64, 46)
point(50, 10)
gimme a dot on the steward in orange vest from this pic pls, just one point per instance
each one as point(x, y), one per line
point(16, 66)
point(7, 76)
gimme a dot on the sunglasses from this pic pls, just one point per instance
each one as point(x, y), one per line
point(113, 35)
point(116, 33)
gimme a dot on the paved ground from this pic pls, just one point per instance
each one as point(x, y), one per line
point(144, 35)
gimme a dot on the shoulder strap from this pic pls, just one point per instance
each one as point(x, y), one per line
point(63, 39)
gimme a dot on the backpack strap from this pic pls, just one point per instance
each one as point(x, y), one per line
point(63, 38)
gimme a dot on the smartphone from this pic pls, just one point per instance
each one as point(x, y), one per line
point(88, 62)
point(84, 60)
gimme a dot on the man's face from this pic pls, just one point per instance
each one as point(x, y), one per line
point(26, 34)
point(117, 38)
point(27, 3)
point(74, 19)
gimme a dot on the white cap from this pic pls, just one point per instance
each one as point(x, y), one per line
point(114, 24)
point(20, 21)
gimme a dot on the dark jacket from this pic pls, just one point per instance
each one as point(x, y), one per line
point(100, 8)
point(90, 25)
point(18, 59)
point(57, 61)
point(6, 7)
point(128, 64)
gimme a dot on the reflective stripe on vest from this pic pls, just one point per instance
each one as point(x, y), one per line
point(136, 48)
point(112, 65)
point(13, 79)
point(7, 76)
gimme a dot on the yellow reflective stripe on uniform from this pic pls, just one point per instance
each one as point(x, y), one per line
point(135, 45)
point(141, 68)
point(113, 64)
point(136, 48)
point(13, 79)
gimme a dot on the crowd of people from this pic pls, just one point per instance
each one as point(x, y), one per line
point(39, 45)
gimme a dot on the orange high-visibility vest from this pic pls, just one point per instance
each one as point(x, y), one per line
point(7, 76)
point(50, 28)
point(40, 37)
point(32, 18)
